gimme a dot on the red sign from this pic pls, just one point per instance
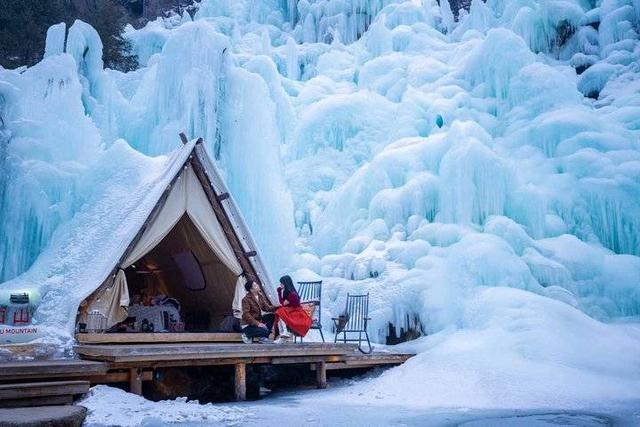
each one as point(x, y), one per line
point(21, 317)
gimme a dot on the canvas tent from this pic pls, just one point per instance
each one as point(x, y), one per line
point(194, 244)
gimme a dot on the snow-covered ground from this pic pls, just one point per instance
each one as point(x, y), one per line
point(479, 177)
point(525, 360)
point(551, 359)
point(339, 405)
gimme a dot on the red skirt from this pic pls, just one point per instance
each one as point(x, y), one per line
point(296, 319)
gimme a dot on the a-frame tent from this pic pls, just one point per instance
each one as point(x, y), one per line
point(195, 244)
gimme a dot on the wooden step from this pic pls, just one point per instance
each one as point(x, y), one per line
point(45, 369)
point(43, 389)
point(36, 401)
point(68, 416)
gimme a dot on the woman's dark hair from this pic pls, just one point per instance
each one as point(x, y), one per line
point(248, 285)
point(288, 286)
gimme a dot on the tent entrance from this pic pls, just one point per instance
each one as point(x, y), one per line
point(180, 285)
point(180, 274)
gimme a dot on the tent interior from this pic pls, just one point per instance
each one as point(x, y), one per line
point(183, 267)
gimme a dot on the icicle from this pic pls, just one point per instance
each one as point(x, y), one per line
point(293, 67)
point(447, 16)
point(56, 35)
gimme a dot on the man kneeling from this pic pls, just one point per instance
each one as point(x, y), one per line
point(254, 323)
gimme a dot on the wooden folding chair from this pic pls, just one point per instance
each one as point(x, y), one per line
point(354, 320)
point(311, 293)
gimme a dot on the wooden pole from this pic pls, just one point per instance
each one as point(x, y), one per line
point(321, 374)
point(241, 381)
point(135, 381)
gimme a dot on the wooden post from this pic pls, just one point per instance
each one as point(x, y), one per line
point(321, 374)
point(241, 381)
point(135, 381)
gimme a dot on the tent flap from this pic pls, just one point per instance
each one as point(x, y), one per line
point(113, 302)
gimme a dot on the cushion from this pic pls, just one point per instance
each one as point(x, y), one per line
point(309, 308)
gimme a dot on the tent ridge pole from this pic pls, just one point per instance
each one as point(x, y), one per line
point(224, 220)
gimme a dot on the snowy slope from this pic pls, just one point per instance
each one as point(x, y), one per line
point(480, 177)
point(125, 187)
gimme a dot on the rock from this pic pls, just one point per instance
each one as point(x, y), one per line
point(43, 416)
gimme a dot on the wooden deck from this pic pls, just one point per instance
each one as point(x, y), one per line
point(55, 381)
point(141, 359)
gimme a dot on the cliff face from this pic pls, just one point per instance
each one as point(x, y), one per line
point(456, 5)
point(138, 11)
point(154, 8)
point(142, 11)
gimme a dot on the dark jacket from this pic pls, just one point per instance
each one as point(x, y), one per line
point(252, 309)
point(292, 297)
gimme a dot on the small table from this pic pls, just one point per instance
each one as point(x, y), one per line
point(159, 315)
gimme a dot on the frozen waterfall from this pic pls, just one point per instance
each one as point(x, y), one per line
point(383, 146)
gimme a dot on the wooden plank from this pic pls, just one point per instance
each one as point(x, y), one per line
point(379, 356)
point(341, 365)
point(240, 381)
point(304, 359)
point(160, 358)
point(157, 337)
point(35, 369)
point(321, 374)
point(373, 362)
point(118, 377)
point(357, 361)
point(189, 363)
point(135, 381)
point(43, 389)
point(300, 348)
point(36, 401)
point(380, 361)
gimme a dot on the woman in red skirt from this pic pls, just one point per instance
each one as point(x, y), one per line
point(290, 316)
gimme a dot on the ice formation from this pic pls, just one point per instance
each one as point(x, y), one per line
point(384, 146)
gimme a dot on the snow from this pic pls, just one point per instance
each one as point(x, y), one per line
point(85, 46)
point(479, 177)
point(42, 107)
point(149, 40)
point(126, 409)
point(513, 350)
point(121, 191)
point(313, 408)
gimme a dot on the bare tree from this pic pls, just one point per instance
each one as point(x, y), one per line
point(24, 24)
